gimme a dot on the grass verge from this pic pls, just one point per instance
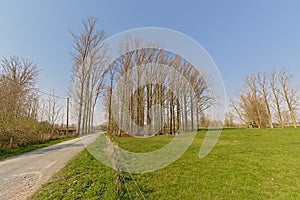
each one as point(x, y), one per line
point(83, 177)
point(245, 164)
point(4, 153)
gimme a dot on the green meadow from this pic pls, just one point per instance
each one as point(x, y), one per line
point(245, 164)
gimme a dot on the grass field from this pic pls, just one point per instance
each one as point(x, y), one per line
point(245, 164)
point(4, 153)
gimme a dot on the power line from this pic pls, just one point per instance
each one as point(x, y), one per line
point(49, 94)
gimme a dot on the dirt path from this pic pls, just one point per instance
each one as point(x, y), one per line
point(21, 175)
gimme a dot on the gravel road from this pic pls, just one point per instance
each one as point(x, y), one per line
point(21, 175)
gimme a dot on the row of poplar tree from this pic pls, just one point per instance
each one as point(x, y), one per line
point(143, 91)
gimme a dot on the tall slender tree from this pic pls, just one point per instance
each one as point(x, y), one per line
point(276, 94)
point(264, 91)
point(289, 93)
point(89, 61)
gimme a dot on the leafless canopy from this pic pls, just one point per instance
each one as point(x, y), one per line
point(268, 98)
point(155, 90)
point(89, 58)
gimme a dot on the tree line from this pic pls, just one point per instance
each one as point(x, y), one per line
point(174, 98)
point(25, 115)
point(145, 91)
point(88, 72)
point(267, 99)
point(157, 92)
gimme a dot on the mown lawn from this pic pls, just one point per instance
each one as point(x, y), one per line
point(245, 164)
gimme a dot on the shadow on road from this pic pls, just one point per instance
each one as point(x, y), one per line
point(53, 148)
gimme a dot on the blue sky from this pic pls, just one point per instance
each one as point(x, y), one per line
point(242, 37)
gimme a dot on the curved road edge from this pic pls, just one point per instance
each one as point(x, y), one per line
point(22, 175)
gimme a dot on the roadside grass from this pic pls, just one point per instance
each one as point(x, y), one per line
point(83, 177)
point(245, 164)
point(4, 153)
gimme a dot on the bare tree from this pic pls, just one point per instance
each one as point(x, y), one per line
point(19, 76)
point(276, 94)
point(251, 105)
point(18, 98)
point(88, 70)
point(289, 93)
point(20, 71)
point(53, 110)
point(173, 83)
point(236, 105)
point(112, 72)
point(20, 104)
point(264, 91)
point(253, 97)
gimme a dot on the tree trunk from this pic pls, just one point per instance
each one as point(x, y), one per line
point(192, 111)
point(178, 115)
point(185, 112)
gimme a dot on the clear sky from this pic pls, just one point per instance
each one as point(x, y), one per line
point(242, 37)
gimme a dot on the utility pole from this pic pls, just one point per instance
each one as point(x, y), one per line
point(67, 131)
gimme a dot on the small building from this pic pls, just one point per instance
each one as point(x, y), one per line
point(63, 129)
